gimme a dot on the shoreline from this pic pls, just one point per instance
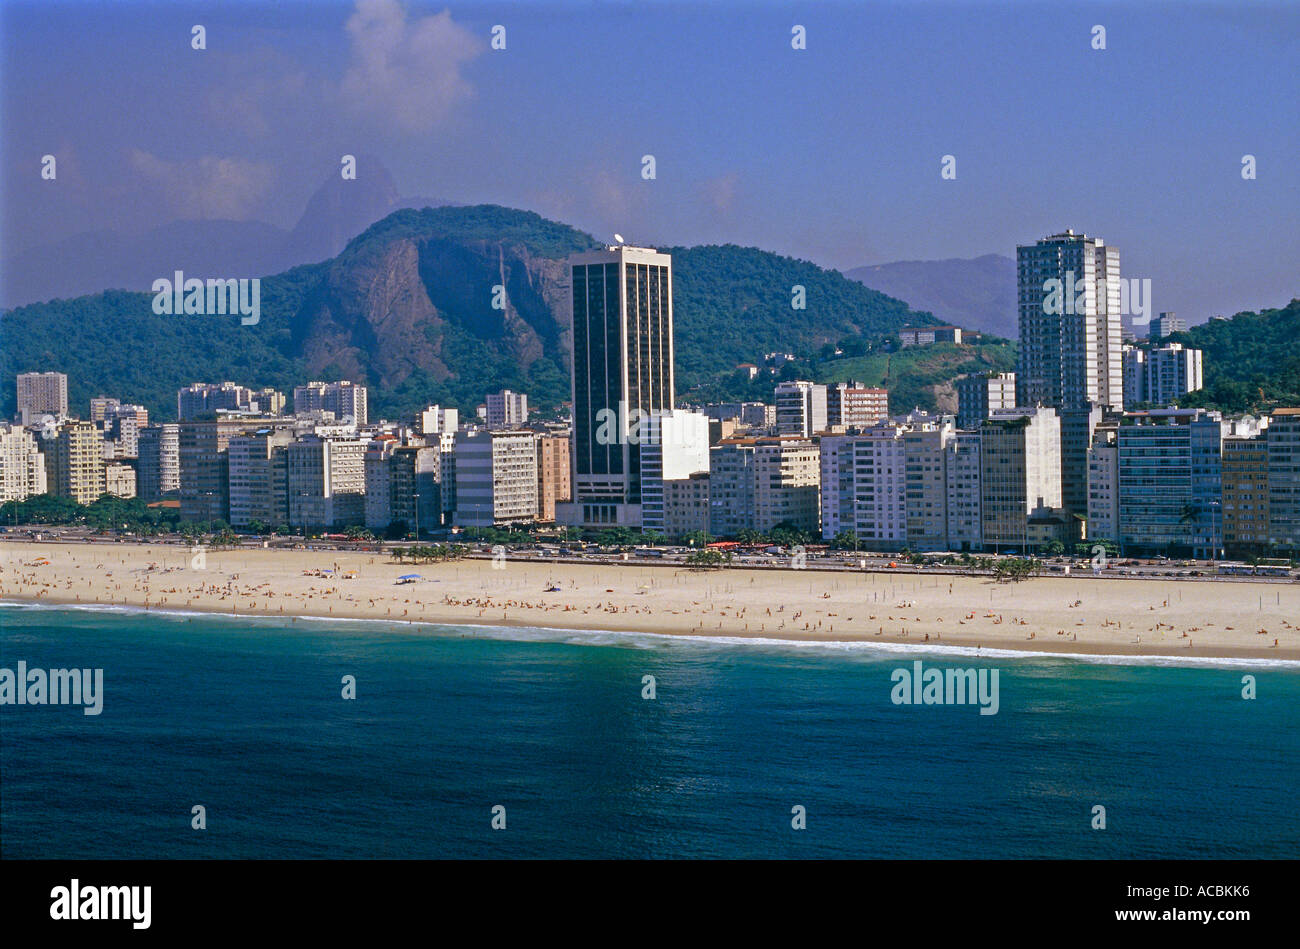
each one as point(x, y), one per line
point(1144, 619)
point(556, 634)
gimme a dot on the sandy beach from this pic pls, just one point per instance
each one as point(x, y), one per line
point(1202, 619)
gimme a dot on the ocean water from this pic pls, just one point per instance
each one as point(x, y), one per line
point(245, 717)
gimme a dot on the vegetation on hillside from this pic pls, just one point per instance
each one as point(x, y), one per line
point(1251, 362)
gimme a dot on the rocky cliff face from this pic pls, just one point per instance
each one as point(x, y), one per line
point(388, 308)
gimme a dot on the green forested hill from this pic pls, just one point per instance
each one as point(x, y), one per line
point(406, 309)
point(1251, 361)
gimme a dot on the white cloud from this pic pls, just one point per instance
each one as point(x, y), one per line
point(405, 72)
point(207, 187)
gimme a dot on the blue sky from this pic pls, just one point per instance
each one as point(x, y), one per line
point(830, 153)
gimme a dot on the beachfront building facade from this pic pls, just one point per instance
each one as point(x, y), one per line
point(1245, 496)
point(863, 490)
point(925, 484)
point(1170, 483)
point(22, 469)
point(1020, 473)
point(1068, 297)
point(980, 393)
point(674, 445)
point(1103, 488)
point(1284, 481)
point(327, 481)
point(74, 462)
point(496, 478)
point(554, 473)
point(202, 446)
point(762, 483)
point(686, 505)
point(622, 373)
point(257, 462)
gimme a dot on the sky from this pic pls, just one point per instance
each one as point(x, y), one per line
point(830, 153)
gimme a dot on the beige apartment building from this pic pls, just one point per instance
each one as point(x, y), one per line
point(74, 462)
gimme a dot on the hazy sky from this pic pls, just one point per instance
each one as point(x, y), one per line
point(831, 153)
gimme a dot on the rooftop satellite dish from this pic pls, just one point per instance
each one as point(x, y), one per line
point(619, 238)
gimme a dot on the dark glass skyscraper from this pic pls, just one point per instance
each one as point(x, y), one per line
point(622, 373)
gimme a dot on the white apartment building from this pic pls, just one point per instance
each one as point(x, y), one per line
point(22, 469)
point(1071, 328)
point(1103, 488)
point(496, 478)
point(864, 486)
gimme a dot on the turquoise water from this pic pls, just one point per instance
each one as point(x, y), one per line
point(245, 717)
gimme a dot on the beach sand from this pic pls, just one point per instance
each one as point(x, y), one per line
point(1082, 614)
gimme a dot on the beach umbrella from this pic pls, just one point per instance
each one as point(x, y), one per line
point(409, 576)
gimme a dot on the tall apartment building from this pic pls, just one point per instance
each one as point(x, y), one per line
point(1070, 323)
point(496, 478)
point(980, 393)
point(853, 405)
point(1164, 325)
point(1103, 487)
point(864, 486)
point(1284, 480)
point(258, 463)
point(962, 476)
point(1077, 428)
point(40, 394)
point(74, 463)
point(327, 481)
point(22, 469)
point(554, 474)
point(506, 409)
point(1020, 473)
point(1245, 496)
point(1172, 371)
point(622, 372)
point(801, 408)
point(1170, 483)
point(202, 446)
point(346, 400)
point(158, 470)
point(674, 445)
